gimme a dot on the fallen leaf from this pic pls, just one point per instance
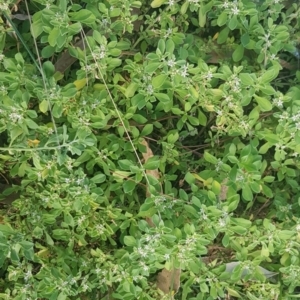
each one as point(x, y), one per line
point(168, 280)
point(146, 155)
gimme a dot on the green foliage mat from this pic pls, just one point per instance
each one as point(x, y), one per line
point(149, 150)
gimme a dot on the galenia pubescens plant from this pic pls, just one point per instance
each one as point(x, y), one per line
point(212, 86)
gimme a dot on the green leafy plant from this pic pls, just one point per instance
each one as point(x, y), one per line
point(149, 150)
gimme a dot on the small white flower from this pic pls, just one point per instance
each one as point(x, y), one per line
point(145, 268)
point(268, 44)
point(84, 264)
point(167, 256)
point(240, 178)
point(15, 117)
point(149, 89)
point(235, 10)
point(141, 252)
point(79, 181)
point(209, 75)
point(148, 238)
point(204, 216)
point(184, 71)
point(225, 4)
point(171, 2)
point(73, 281)
point(100, 228)
point(50, 130)
point(171, 62)
point(222, 222)
point(278, 102)
point(80, 220)
point(168, 33)
point(4, 6)
point(27, 275)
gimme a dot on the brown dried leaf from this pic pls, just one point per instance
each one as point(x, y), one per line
point(153, 173)
point(224, 189)
point(168, 281)
point(146, 156)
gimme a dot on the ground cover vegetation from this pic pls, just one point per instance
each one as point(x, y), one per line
point(149, 150)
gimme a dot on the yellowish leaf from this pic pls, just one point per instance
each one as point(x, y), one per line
point(157, 3)
point(80, 83)
point(33, 143)
point(215, 36)
point(43, 106)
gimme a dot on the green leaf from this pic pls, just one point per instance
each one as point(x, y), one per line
point(245, 39)
point(223, 35)
point(157, 3)
point(52, 38)
point(139, 119)
point(125, 164)
point(170, 46)
point(128, 186)
point(131, 89)
point(74, 28)
point(48, 51)
point(57, 110)
point(233, 203)
point(247, 193)
point(49, 69)
point(201, 16)
point(84, 16)
point(129, 241)
point(263, 103)
point(152, 67)
point(36, 29)
point(99, 38)
point(269, 179)
point(285, 234)
point(99, 178)
point(173, 137)
point(15, 132)
point(238, 53)
point(233, 292)
point(189, 178)
point(202, 118)
point(138, 100)
point(233, 23)
point(222, 19)
point(159, 80)
point(269, 75)
point(147, 130)
point(161, 46)
point(152, 163)
point(31, 124)
point(162, 97)
point(238, 229)
point(255, 187)
point(241, 222)
point(210, 158)
point(246, 79)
